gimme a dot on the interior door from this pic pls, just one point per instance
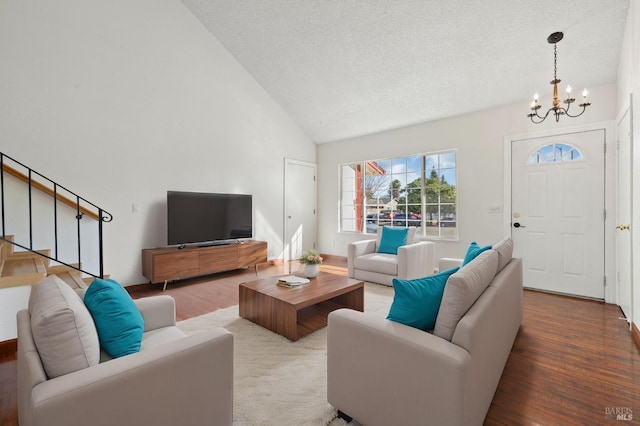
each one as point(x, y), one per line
point(623, 229)
point(300, 208)
point(558, 212)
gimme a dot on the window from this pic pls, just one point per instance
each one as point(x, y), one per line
point(555, 152)
point(417, 190)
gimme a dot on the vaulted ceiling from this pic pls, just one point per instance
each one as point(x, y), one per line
point(344, 68)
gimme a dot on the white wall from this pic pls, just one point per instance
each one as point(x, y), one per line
point(121, 101)
point(629, 83)
point(478, 138)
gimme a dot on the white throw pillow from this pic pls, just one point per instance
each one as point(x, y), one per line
point(62, 328)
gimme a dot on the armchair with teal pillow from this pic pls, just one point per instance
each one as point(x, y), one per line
point(395, 253)
point(64, 379)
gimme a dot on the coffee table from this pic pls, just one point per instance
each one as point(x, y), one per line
point(296, 312)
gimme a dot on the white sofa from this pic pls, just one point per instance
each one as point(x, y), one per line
point(381, 372)
point(174, 380)
point(414, 260)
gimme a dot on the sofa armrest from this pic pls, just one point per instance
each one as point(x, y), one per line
point(157, 311)
point(358, 248)
point(189, 381)
point(448, 263)
point(416, 260)
point(381, 372)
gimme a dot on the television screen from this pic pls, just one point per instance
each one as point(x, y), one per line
point(196, 217)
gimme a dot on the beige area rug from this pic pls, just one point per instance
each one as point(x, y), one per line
point(276, 381)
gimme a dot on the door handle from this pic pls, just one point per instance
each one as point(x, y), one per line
point(623, 227)
point(517, 225)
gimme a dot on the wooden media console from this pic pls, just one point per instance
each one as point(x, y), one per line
point(173, 263)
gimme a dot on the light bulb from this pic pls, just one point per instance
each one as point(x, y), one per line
point(568, 89)
point(585, 93)
point(535, 97)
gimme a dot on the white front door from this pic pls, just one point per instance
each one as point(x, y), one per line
point(623, 231)
point(300, 208)
point(557, 212)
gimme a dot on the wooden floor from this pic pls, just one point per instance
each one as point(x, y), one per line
point(573, 362)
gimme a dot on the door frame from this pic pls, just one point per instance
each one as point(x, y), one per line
point(609, 128)
point(627, 110)
point(288, 162)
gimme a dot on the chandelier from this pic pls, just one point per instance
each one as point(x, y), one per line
point(557, 109)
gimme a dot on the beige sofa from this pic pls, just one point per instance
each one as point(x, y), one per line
point(382, 372)
point(414, 260)
point(174, 380)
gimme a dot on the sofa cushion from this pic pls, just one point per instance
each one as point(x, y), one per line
point(392, 239)
point(462, 290)
point(473, 251)
point(416, 302)
point(152, 339)
point(62, 328)
point(381, 263)
point(411, 236)
point(505, 252)
point(118, 320)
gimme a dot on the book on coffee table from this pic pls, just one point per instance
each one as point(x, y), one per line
point(292, 281)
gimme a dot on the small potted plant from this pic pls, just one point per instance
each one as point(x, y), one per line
point(311, 260)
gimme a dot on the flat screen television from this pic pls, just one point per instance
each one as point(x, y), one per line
point(208, 218)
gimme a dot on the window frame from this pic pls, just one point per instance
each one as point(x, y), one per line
point(361, 206)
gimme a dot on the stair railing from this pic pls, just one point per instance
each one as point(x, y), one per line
point(82, 206)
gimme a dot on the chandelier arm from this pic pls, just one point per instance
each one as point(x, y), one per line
point(540, 117)
point(584, 108)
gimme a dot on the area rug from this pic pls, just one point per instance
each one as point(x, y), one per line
point(276, 381)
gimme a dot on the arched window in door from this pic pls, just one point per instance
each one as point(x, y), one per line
point(554, 153)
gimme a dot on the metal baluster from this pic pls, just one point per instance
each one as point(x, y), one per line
point(78, 217)
point(30, 215)
point(55, 218)
point(100, 243)
point(2, 191)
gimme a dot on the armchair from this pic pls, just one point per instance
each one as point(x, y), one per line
point(174, 378)
point(416, 259)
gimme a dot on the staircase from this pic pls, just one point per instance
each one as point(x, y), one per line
point(20, 263)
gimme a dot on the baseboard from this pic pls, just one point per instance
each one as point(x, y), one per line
point(334, 258)
point(635, 334)
point(8, 346)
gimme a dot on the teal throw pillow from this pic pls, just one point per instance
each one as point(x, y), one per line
point(416, 302)
point(118, 320)
point(473, 251)
point(392, 239)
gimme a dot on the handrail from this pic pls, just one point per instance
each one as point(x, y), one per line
point(53, 191)
point(24, 178)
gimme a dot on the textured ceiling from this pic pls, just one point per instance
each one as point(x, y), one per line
point(344, 68)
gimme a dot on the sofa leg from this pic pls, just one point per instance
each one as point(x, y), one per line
point(344, 417)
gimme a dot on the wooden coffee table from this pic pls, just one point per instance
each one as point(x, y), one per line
point(296, 312)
